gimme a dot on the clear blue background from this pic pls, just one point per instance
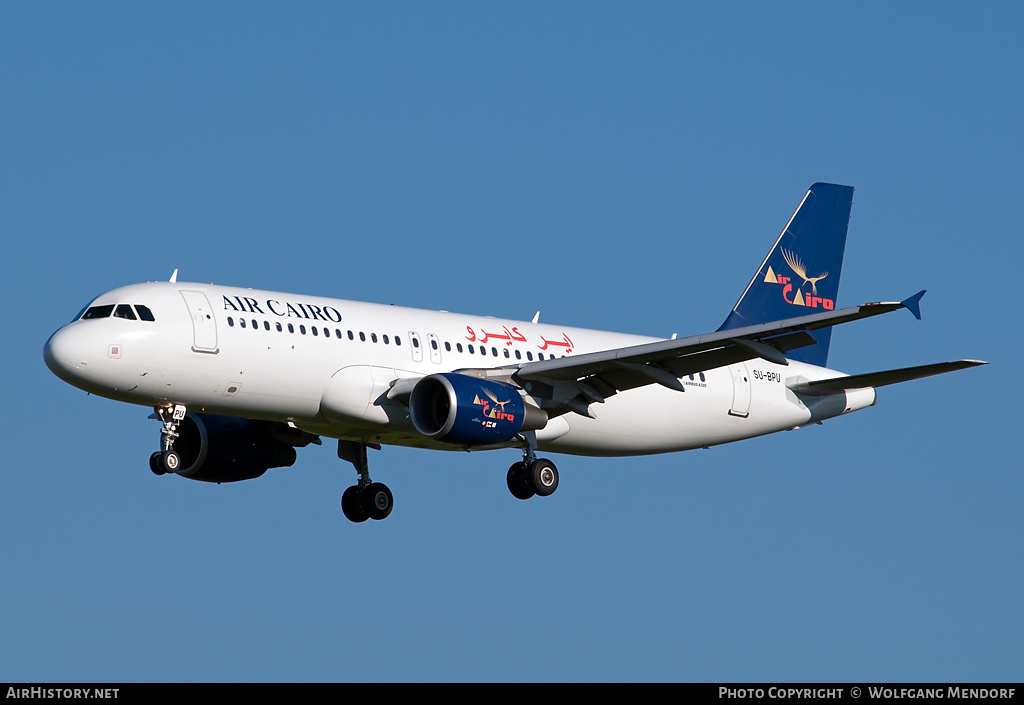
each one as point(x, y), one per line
point(616, 167)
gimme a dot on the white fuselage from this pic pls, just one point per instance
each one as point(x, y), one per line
point(326, 366)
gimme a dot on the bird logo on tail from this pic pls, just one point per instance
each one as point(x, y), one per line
point(801, 271)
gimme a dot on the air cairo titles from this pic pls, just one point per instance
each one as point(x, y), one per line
point(247, 304)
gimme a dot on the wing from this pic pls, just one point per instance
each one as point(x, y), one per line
point(574, 383)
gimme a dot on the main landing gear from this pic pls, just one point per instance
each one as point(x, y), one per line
point(167, 460)
point(373, 500)
point(366, 499)
point(532, 476)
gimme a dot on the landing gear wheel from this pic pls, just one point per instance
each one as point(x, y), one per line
point(543, 477)
point(518, 482)
point(167, 460)
point(352, 505)
point(170, 460)
point(377, 500)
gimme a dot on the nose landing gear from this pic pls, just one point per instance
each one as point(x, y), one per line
point(167, 460)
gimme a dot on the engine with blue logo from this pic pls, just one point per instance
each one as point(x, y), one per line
point(468, 411)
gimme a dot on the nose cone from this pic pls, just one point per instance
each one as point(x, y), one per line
point(67, 353)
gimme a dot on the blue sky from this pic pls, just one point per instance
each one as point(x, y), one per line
point(614, 167)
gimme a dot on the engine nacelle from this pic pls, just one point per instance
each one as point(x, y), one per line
point(468, 411)
point(223, 449)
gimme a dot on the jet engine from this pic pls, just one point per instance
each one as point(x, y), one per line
point(223, 449)
point(468, 411)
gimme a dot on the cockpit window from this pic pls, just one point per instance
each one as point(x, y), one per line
point(119, 311)
point(98, 311)
point(124, 311)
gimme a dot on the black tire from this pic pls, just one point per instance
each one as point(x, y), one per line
point(378, 500)
point(518, 482)
point(352, 505)
point(171, 461)
point(156, 463)
point(543, 477)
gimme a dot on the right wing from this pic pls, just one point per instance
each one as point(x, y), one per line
point(573, 383)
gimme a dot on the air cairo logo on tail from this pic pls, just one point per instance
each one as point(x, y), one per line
point(812, 300)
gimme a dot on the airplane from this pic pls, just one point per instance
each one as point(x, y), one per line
point(239, 378)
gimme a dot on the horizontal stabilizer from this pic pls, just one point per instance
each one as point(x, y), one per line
point(881, 379)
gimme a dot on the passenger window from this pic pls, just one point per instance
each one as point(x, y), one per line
point(124, 311)
point(337, 333)
point(231, 322)
point(529, 355)
point(447, 346)
point(458, 346)
point(471, 350)
point(373, 337)
point(519, 355)
point(241, 322)
point(315, 330)
point(266, 325)
point(279, 328)
point(433, 344)
point(144, 312)
point(362, 336)
point(506, 352)
point(398, 341)
point(386, 342)
point(302, 329)
point(494, 351)
point(291, 328)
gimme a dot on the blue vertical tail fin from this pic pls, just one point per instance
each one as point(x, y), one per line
point(800, 275)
